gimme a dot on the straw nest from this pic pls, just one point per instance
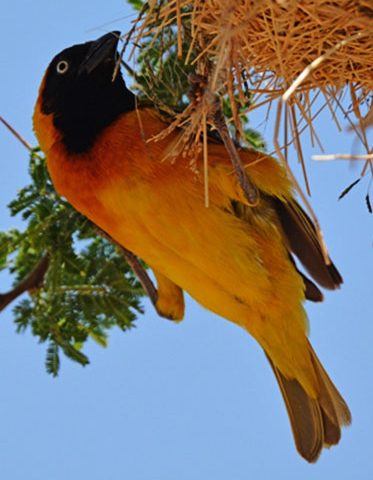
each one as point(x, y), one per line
point(299, 57)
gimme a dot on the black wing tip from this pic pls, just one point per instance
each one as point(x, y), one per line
point(335, 276)
point(311, 290)
point(331, 279)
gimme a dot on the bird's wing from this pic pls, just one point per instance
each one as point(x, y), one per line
point(276, 198)
point(303, 241)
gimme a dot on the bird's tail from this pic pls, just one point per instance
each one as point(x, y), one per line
point(315, 422)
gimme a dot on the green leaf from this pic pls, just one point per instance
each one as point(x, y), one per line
point(137, 4)
point(52, 361)
point(88, 287)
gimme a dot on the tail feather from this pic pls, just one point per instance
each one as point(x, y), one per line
point(330, 399)
point(332, 432)
point(315, 422)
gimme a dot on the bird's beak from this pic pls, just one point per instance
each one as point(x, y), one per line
point(104, 48)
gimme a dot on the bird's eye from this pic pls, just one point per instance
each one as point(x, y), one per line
point(62, 67)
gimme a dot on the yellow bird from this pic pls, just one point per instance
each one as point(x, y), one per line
point(234, 259)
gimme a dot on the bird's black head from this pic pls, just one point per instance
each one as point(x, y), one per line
point(80, 93)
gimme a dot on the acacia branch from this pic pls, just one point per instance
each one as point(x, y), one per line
point(32, 281)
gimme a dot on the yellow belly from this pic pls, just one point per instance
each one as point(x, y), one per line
point(238, 269)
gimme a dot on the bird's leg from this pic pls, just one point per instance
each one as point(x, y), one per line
point(141, 275)
point(159, 297)
point(203, 96)
point(250, 191)
point(170, 301)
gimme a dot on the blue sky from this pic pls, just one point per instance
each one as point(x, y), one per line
point(165, 401)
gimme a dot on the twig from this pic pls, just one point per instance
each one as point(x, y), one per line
point(342, 156)
point(128, 37)
point(33, 281)
point(16, 134)
point(296, 184)
point(179, 29)
point(129, 69)
point(298, 147)
point(205, 161)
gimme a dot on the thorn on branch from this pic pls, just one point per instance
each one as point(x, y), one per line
point(347, 189)
point(369, 204)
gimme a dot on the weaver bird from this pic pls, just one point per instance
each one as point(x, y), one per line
point(235, 259)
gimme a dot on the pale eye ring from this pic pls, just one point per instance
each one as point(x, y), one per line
point(62, 67)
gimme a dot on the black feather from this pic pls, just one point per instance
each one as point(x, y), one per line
point(303, 242)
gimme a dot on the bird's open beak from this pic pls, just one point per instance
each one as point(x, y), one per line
point(102, 49)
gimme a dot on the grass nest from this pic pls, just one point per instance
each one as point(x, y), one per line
point(295, 57)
